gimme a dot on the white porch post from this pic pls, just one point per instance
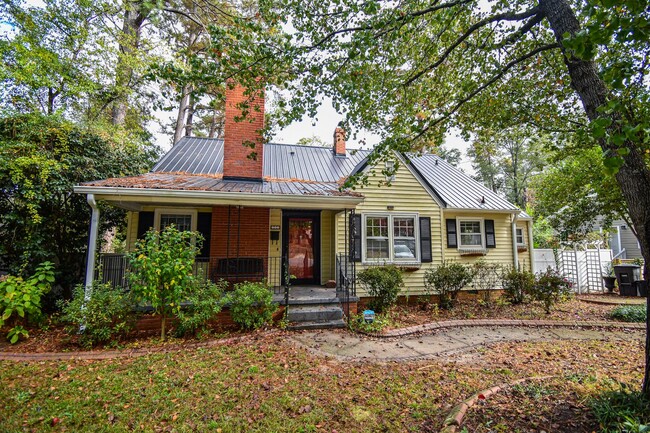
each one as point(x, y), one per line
point(92, 247)
point(531, 246)
point(515, 253)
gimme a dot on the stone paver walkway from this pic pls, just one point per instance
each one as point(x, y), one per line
point(346, 346)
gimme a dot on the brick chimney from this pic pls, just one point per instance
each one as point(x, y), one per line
point(339, 141)
point(243, 149)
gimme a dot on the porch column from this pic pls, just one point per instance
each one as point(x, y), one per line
point(92, 247)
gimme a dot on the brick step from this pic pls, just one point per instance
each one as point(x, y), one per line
point(315, 313)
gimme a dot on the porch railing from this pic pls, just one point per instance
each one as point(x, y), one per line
point(113, 269)
point(345, 281)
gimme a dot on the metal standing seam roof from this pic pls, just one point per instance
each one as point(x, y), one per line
point(458, 190)
point(196, 163)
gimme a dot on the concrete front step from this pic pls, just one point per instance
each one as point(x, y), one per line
point(315, 313)
point(322, 324)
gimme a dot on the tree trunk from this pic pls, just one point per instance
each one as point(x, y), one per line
point(162, 327)
point(633, 177)
point(180, 117)
point(190, 116)
point(135, 13)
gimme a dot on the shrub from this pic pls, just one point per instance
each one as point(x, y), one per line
point(629, 313)
point(106, 315)
point(621, 409)
point(21, 299)
point(204, 303)
point(517, 285)
point(486, 277)
point(251, 305)
point(446, 281)
point(162, 270)
point(551, 287)
point(383, 283)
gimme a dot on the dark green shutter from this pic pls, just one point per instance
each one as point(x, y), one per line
point(145, 222)
point(490, 239)
point(425, 240)
point(355, 238)
point(452, 237)
point(204, 226)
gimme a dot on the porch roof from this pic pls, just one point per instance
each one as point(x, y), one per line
point(183, 188)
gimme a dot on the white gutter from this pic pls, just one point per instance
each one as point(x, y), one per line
point(515, 253)
point(214, 195)
point(92, 249)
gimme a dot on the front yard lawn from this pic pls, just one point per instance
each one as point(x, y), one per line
point(269, 385)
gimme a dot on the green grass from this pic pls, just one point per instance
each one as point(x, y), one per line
point(621, 410)
point(629, 313)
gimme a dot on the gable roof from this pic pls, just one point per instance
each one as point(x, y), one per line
point(458, 190)
point(196, 164)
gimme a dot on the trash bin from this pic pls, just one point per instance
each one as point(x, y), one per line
point(626, 275)
point(642, 287)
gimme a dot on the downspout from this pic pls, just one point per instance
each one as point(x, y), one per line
point(515, 253)
point(92, 249)
point(531, 246)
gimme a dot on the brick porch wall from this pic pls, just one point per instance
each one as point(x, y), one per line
point(253, 232)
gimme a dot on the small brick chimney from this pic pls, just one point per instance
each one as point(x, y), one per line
point(243, 148)
point(339, 141)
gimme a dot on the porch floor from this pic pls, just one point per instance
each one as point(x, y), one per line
point(310, 295)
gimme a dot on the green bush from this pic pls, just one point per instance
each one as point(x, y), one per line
point(251, 305)
point(107, 315)
point(629, 313)
point(621, 409)
point(20, 299)
point(551, 287)
point(383, 283)
point(446, 281)
point(204, 302)
point(517, 285)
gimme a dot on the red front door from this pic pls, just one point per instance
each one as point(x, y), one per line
point(301, 235)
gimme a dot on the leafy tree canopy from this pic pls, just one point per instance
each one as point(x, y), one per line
point(41, 159)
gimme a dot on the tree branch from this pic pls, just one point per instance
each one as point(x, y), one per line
point(488, 83)
point(509, 16)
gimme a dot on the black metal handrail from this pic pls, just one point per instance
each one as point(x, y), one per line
point(345, 281)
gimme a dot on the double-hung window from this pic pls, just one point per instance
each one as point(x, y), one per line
point(471, 234)
point(391, 238)
point(520, 237)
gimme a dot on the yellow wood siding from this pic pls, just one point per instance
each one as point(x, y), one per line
point(406, 195)
point(502, 254)
point(524, 256)
point(275, 248)
point(327, 239)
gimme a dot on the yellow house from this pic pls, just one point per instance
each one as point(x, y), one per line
point(285, 212)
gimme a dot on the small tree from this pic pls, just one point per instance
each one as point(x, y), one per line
point(517, 285)
point(162, 269)
point(446, 281)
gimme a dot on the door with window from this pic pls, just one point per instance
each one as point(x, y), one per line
point(301, 244)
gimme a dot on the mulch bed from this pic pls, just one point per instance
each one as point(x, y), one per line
point(53, 338)
point(402, 316)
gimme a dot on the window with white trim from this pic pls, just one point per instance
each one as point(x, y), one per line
point(391, 238)
point(183, 219)
point(520, 237)
point(470, 234)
